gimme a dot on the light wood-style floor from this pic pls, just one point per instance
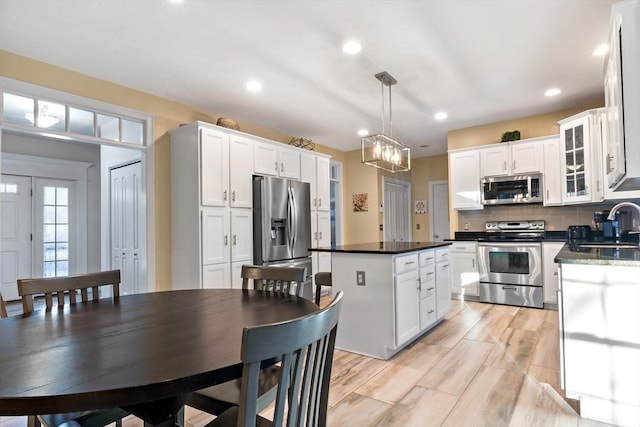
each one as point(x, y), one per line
point(484, 365)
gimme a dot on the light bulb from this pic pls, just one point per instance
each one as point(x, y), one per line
point(396, 156)
point(377, 150)
point(387, 153)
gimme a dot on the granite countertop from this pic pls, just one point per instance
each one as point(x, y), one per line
point(572, 254)
point(382, 247)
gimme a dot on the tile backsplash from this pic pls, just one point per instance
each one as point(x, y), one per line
point(557, 218)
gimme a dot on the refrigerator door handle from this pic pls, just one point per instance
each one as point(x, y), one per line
point(295, 220)
point(290, 219)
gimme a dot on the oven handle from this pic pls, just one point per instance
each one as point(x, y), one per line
point(506, 288)
point(499, 245)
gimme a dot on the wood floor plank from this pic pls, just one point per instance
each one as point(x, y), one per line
point(450, 331)
point(489, 400)
point(530, 319)
point(549, 376)
point(547, 351)
point(457, 368)
point(394, 382)
point(493, 324)
point(356, 410)
point(420, 407)
point(350, 371)
point(514, 349)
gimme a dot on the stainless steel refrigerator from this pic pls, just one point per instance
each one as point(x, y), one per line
point(282, 224)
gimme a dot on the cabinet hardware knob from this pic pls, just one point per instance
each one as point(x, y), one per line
point(430, 288)
point(226, 240)
point(234, 240)
point(281, 167)
point(224, 195)
point(445, 266)
point(233, 196)
point(430, 311)
point(473, 263)
point(319, 202)
point(504, 165)
point(276, 166)
point(320, 235)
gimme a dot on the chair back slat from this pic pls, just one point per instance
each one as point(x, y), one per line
point(3, 308)
point(274, 279)
point(305, 347)
point(50, 286)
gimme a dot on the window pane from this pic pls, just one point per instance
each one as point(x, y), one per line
point(132, 132)
point(49, 269)
point(49, 195)
point(62, 251)
point(108, 127)
point(62, 215)
point(49, 233)
point(62, 268)
point(49, 216)
point(18, 109)
point(568, 140)
point(62, 196)
point(62, 233)
point(49, 252)
point(51, 116)
point(579, 137)
point(81, 121)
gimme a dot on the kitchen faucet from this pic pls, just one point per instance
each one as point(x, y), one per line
point(614, 209)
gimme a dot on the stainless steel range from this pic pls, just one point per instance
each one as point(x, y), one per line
point(510, 263)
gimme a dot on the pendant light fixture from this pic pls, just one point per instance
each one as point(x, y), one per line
point(381, 150)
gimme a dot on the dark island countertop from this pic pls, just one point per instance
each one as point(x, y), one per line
point(391, 248)
point(573, 254)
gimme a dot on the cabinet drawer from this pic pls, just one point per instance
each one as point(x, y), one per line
point(427, 312)
point(463, 247)
point(442, 255)
point(405, 263)
point(427, 258)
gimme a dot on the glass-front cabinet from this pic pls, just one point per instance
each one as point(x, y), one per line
point(580, 181)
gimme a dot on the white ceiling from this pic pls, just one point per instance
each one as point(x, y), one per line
point(481, 61)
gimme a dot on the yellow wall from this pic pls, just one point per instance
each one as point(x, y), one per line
point(167, 115)
point(424, 170)
point(529, 127)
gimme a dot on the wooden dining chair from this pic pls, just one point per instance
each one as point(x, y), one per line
point(221, 397)
point(3, 308)
point(274, 279)
point(86, 284)
point(305, 346)
point(54, 290)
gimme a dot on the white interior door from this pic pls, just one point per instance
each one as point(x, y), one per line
point(15, 258)
point(397, 219)
point(128, 234)
point(439, 208)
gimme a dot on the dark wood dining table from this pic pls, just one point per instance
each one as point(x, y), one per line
point(144, 353)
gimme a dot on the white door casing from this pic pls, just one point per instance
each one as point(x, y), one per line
point(397, 212)
point(15, 258)
point(128, 232)
point(439, 210)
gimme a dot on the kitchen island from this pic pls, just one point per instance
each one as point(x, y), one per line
point(393, 293)
point(599, 313)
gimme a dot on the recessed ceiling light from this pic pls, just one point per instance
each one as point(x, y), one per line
point(363, 132)
point(176, 1)
point(553, 92)
point(254, 86)
point(351, 47)
point(441, 115)
point(601, 50)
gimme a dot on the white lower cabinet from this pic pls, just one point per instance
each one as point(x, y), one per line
point(464, 268)
point(550, 276)
point(213, 275)
point(406, 306)
point(443, 280)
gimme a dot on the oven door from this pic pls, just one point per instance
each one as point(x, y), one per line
point(516, 263)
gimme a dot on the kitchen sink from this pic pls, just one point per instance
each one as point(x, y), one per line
point(610, 245)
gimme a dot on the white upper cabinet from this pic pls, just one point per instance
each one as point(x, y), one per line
point(240, 171)
point(464, 179)
point(579, 139)
point(511, 158)
point(314, 169)
point(214, 167)
point(276, 160)
point(552, 173)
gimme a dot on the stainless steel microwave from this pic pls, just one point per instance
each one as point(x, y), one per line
point(504, 190)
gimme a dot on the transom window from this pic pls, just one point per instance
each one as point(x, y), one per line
point(54, 116)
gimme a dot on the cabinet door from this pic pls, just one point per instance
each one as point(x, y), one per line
point(464, 177)
point(406, 307)
point(494, 160)
point(464, 273)
point(324, 229)
point(308, 174)
point(240, 172)
point(526, 157)
point(241, 235)
point(550, 271)
point(323, 176)
point(215, 236)
point(576, 161)
point(236, 274)
point(427, 284)
point(552, 179)
point(443, 289)
point(215, 276)
point(427, 312)
point(289, 163)
point(265, 158)
point(214, 168)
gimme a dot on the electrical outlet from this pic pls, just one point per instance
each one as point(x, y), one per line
point(360, 278)
point(380, 227)
point(417, 226)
